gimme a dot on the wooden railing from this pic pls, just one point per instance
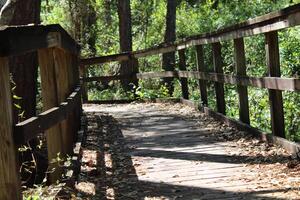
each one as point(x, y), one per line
point(269, 25)
point(61, 99)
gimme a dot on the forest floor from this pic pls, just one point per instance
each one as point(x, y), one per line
point(170, 151)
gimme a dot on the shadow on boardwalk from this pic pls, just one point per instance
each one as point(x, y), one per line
point(117, 161)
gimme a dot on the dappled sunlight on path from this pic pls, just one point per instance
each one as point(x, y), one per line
point(163, 151)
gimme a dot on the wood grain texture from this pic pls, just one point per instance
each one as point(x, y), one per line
point(63, 90)
point(240, 65)
point(50, 100)
point(10, 187)
point(275, 96)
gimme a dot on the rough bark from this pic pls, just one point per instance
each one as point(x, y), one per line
point(125, 33)
point(170, 36)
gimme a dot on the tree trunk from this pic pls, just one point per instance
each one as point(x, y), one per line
point(170, 36)
point(125, 33)
point(89, 28)
point(24, 67)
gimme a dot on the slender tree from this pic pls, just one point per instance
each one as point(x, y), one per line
point(170, 36)
point(125, 34)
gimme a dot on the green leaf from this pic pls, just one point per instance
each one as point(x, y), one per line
point(17, 97)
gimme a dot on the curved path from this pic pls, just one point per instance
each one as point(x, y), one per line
point(169, 151)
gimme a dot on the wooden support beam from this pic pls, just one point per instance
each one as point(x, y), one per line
point(10, 187)
point(275, 96)
point(63, 90)
point(276, 83)
point(72, 123)
point(183, 81)
point(218, 68)
point(16, 40)
point(105, 59)
point(240, 66)
point(84, 83)
point(76, 76)
point(30, 128)
point(202, 68)
point(50, 100)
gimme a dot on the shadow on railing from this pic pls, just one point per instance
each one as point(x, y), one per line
point(269, 25)
point(58, 57)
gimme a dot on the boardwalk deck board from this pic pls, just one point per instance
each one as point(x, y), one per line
point(160, 151)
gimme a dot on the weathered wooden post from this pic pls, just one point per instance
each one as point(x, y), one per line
point(275, 96)
point(84, 92)
point(202, 68)
point(240, 66)
point(183, 81)
point(50, 100)
point(63, 91)
point(72, 123)
point(218, 68)
point(9, 177)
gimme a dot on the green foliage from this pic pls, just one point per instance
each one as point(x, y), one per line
point(193, 17)
point(146, 93)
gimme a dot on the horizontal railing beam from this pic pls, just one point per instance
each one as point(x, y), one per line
point(29, 128)
point(285, 18)
point(276, 83)
point(16, 40)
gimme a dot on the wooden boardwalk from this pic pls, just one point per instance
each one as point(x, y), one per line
point(162, 151)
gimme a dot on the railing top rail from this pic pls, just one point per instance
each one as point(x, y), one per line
point(16, 40)
point(273, 21)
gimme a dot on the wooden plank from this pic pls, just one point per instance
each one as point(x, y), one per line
point(10, 187)
point(240, 66)
point(276, 83)
point(124, 101)
point(49, 98)
point(115, 101)
point(201, 68)
point(105, 59)
point(277, 20)
point(275, 96)
point(76, 76)
point(108, 78)
point(291, 147)
point(62, 83)
point(72, 123)
point(218, 68)
point(30, 128)
point(183, 81)
point(17, 40)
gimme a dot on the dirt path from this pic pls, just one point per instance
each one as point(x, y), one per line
point(164, 151)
